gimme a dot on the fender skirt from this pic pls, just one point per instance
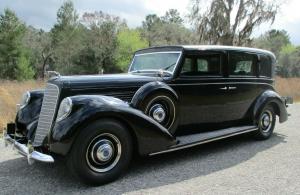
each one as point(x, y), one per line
point(149, 135)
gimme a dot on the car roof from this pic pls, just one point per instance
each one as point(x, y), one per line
point(205, 47)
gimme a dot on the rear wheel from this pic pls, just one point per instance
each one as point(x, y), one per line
point(101, 152)
point(266, 123)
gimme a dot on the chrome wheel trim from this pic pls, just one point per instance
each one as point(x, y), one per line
point(103, 152)
point(172, 104)
point(158, 113)
point(266, 121)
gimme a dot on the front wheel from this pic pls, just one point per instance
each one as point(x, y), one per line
point(266, 123)
point(101, 152)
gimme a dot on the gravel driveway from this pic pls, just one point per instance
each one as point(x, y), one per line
point(232, 166)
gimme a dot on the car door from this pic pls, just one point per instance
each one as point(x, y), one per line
point(242, 84)
point(201, 89)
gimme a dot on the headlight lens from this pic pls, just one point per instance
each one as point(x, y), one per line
point(65, 109)
point(25, 99)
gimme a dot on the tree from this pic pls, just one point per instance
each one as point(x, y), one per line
point(38, 42)
point(172, 16)
point(128, 42)
point(166, 30)
point(14, 62)
point(102, 40)
point(150, 26)
point(66, 38)
point(24, 70)
point(273, 40)
point(289, 61)
point(230, 22)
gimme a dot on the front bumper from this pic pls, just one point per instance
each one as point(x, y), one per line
point(25, 149)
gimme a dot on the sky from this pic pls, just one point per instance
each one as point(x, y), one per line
point(42, 13)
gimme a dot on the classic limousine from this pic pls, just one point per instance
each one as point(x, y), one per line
point(172, 98)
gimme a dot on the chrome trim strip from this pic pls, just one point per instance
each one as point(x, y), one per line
point(150, 53)
point(202, 142)
point(219, 83)
point(27, 152)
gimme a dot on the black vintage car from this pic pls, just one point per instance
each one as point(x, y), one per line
point(172, 98)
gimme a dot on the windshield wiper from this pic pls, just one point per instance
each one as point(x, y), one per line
point(168, 67)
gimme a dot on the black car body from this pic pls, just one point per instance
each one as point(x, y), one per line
point(173, 97)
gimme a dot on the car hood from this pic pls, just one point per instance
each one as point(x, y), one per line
point(104, 81)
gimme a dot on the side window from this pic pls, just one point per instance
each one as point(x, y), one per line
point(265, 66)
point(242, 64)
point(187, 66)
point(202, 65)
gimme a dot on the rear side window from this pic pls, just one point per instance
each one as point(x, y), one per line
point(202, 65)
point(265, 66)
point(242, 64)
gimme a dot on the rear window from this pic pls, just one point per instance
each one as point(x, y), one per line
point(265, 66)
point(242, 64)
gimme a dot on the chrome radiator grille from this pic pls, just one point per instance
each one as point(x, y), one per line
point(47, 114)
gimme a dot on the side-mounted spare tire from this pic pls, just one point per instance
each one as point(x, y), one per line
point(162, 107)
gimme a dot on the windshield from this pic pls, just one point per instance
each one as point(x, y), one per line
point(155, 61)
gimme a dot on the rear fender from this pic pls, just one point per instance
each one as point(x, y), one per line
point(270, 97)
point(150, 135)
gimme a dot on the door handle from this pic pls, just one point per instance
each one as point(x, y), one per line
point(231, 88)
point(223, 88)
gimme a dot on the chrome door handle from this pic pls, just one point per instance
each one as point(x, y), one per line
point(231, 88)
point(223, 88)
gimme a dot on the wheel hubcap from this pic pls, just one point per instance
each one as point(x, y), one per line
point(266, 121)
point(103, 152)
point(162, 110)
point(158, 113)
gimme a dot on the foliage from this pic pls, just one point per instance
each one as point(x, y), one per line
point(96, 42)
point(66, 38)
point(12, 60)
point(273, 40)
point(24, 70)
point(289, 61)
point(166, 30)
point(230, 22)
point(129, 41)
point(288, 56)
point(38, 43)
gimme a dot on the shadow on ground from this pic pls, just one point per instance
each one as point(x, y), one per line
point(17, 176)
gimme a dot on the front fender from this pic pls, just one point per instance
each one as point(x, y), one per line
point(148, 89)
point(150, 135)
point(28, 115)
point(270, 97)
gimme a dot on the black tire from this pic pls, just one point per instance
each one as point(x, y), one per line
point(266, 123)
point(94, 157)
point(168, 103)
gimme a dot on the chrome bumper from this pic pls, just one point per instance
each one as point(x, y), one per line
point(27, 151)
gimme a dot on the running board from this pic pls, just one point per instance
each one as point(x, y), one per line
point(187, 141)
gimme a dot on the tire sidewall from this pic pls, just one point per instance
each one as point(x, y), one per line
point(78, 153)
point(262, 134)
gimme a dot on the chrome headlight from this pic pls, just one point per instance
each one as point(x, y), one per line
point(65, 109)
point(25, 99)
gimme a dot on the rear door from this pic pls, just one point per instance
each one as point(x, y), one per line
point(242, 84)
